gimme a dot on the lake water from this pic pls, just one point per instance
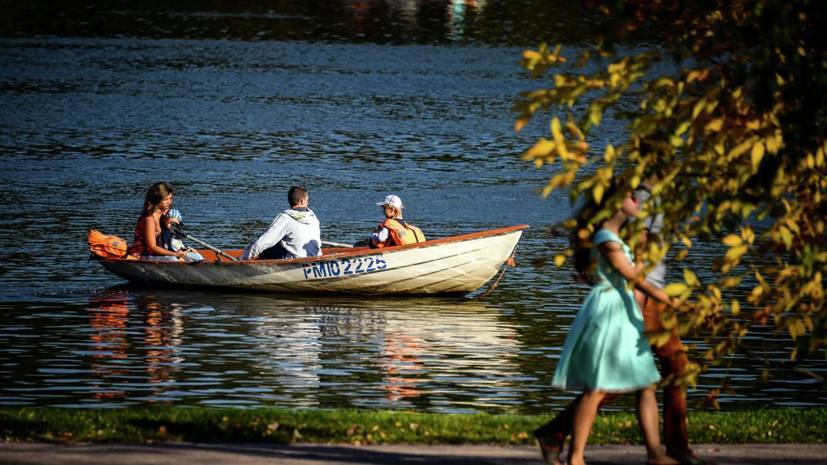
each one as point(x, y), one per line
point(90, 117)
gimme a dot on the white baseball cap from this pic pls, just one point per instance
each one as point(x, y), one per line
point(392, 200)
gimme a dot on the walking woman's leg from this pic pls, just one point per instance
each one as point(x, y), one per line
point(647, 415)
point(582, 425)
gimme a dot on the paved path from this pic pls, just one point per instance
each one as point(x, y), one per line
point(316, 454)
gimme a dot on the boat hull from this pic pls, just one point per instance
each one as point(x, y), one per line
point(458, 264)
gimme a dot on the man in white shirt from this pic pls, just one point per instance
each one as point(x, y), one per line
point(294, 233)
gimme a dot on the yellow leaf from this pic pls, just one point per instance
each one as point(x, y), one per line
point(715, 292)
point(559, 139)
point(597, 193)
point(541, 148)
point(617, 67)
point(756, 155)
point(690, 278)
point(531, 55)
point(574, 130)
point(732, 240)
point(520, 124)
point(555, 131)
point(711, 106)
point(735, 307)
point(739, 149)
point(715, 125)
point(786, 236)
point(675, 289)
point(731, 282)
point(559, 260)
point(692, 75)
point(794, 330)
point(735, 253)
point(697, 108)
point(748, 234)
point(609, 154)
point(675, 141)
point(595, 113)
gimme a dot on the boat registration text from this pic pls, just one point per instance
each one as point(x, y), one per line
point(344, 267)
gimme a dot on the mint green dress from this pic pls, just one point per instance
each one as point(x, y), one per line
point(606, 349)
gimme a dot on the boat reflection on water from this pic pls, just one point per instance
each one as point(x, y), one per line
point(108, 321)
point(260, 349)
point(399, 349)
point(154, 333)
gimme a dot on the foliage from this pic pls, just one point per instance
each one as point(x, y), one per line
point(728, 115)
point(282, 426)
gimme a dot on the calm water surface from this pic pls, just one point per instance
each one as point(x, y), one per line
point(89, 120)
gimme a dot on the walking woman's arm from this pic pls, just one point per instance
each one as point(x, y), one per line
point(613, 253)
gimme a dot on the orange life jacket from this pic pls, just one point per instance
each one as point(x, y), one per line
point(401, 233)
point(106, 246)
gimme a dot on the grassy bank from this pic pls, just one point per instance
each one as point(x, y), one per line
point(376, 427)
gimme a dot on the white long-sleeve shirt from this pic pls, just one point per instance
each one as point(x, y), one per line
point(297, 230)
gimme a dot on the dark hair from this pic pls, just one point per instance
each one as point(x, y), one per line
point(156, 193)
point(295, 195)
point(584, 229)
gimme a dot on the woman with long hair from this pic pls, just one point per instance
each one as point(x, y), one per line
point(606, 350)
point(146, 243)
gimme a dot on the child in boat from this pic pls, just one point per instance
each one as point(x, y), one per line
point(394, 230)
point(172, 243)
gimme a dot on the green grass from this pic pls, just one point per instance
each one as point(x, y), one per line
point(196, 424)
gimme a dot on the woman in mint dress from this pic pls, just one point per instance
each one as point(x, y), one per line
point(606, 350)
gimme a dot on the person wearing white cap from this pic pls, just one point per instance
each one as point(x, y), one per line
point(394, 230)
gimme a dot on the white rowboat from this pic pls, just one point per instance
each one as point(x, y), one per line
point(451, 265)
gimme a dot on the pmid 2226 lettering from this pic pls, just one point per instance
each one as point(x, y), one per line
point(344, 267)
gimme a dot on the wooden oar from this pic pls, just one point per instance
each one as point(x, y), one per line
point(335, 244)
point(182, 235)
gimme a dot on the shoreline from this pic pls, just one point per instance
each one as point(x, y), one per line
point(170, 424)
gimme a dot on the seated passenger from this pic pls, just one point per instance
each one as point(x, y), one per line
point(294, 233)
point(394, 230)
point(172, 243)
point(146, 243)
